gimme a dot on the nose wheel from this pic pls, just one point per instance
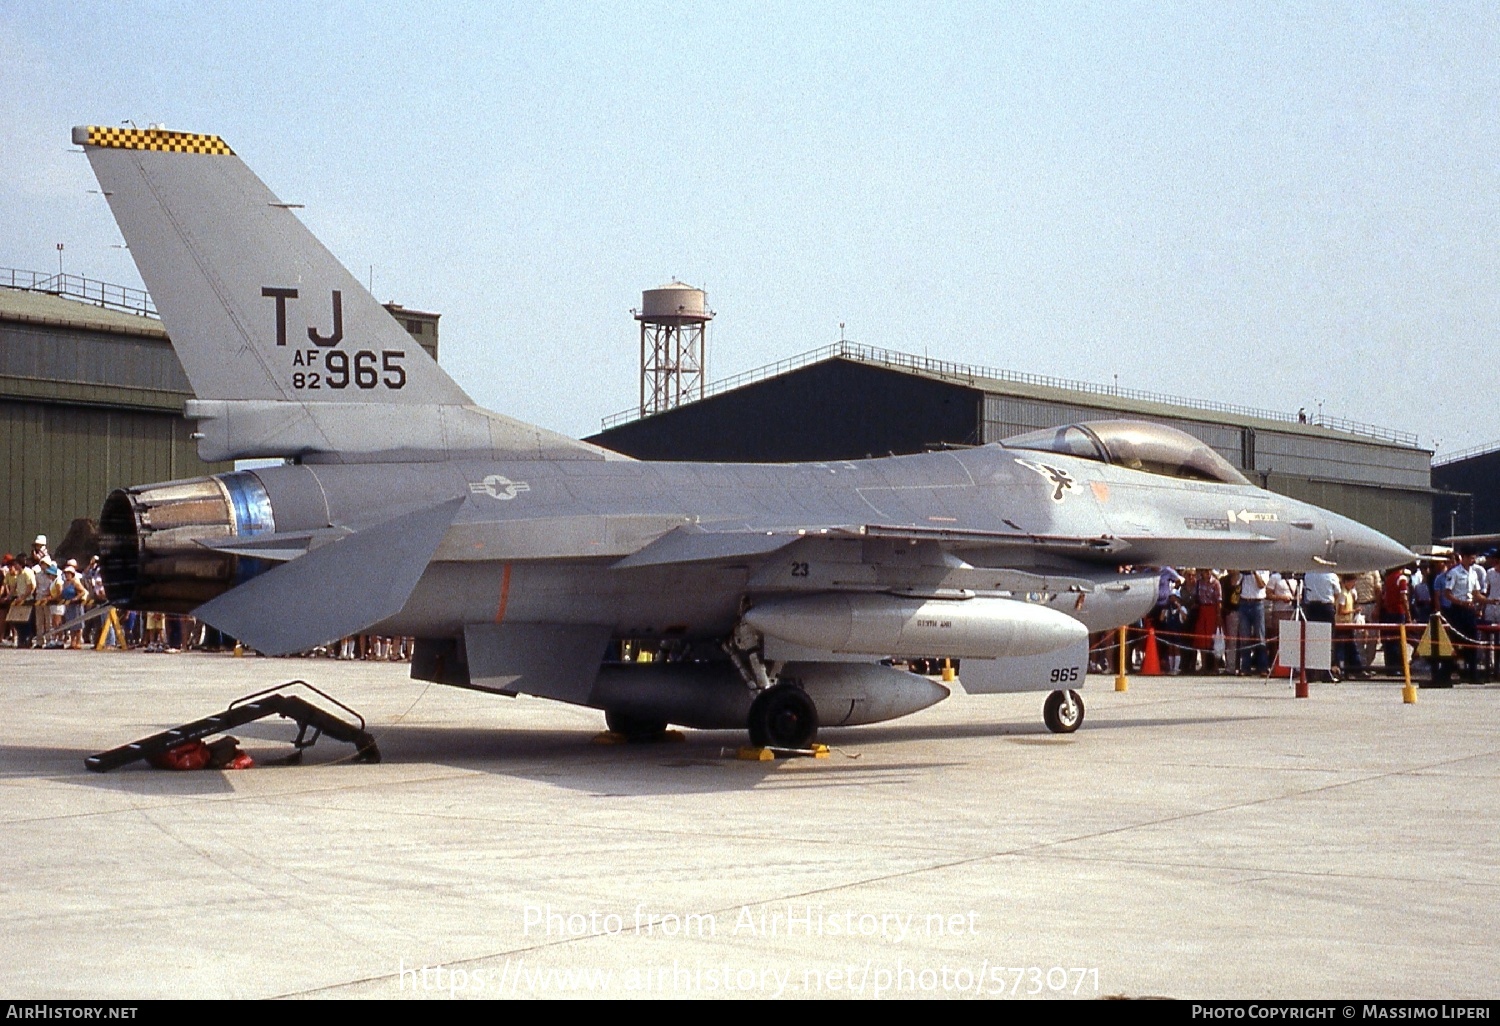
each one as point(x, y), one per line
point(1063, 712)
point(783, 717)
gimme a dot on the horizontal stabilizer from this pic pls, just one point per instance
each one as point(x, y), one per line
point(336, 590)
point(278, 548)
point(549, 660)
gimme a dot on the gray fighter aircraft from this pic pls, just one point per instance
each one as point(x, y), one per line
point(521, 560)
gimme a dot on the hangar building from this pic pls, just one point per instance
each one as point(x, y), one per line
point(848, 401)
point(91, 397)
point(1466, 488)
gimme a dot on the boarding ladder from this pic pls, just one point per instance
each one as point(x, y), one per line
point(271, 702)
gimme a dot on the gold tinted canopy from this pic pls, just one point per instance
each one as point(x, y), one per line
point(1135, 445)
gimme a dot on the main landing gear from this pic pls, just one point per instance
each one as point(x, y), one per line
point(1063, 712)
point(783, 716)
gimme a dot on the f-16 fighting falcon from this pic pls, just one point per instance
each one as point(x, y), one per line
point(777, 596)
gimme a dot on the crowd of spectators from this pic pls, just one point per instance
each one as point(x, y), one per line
point(46, 605)
point(1226, 621)
point(44, 602)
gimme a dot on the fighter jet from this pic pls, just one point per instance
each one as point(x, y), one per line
point(777, 598)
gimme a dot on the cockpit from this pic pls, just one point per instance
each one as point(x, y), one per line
point(1135, 445)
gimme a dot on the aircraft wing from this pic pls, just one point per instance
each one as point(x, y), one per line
point(693, 544)
point(696, 544)
point(336, 590)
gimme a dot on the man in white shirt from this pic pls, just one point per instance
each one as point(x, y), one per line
point(1252, 621)
point(1491, 613)
point(1320, 589)
point(1320, 592)
point(1458, 590)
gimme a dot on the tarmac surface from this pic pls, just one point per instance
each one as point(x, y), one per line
point(1198, 838)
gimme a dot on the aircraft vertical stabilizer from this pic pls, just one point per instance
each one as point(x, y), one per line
point(287, 353)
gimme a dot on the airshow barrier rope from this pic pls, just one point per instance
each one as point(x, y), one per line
point(1361, 633)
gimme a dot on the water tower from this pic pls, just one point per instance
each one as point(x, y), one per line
point(674, 321)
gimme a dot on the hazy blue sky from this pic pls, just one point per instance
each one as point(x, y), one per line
point(1204, 199)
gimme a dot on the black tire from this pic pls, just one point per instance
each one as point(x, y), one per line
point(783, 717)
point(1060, 715)
point(634, 727)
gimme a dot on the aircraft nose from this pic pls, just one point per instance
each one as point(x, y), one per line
point(1357, 547)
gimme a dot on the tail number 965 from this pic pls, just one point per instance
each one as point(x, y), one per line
point(1065, 675)
point(364, 369)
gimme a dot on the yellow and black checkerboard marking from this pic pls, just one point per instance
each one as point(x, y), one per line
point(156, 139)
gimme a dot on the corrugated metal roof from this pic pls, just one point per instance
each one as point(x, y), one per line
point(1106, 398)
point(1122, 403)
point(43, 308)
point(1466, 454)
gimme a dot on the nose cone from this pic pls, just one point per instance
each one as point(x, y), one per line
point(1357, 547)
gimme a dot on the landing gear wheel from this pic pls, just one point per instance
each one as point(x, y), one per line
point(783, 717)
point(636, 728)
point(1063, 712)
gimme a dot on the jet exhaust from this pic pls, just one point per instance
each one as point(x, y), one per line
point(149, 554)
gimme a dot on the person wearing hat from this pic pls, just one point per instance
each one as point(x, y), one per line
point(20, 587)
point(47, 573)
point(74, 596)
point(1458, 591)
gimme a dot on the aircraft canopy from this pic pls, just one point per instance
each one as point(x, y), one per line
point(1135, 445)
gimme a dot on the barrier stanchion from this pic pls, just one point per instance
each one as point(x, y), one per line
point(111, 629)
point(1436, 647)
point(1408, 691)
point(1302, 670)
point(1121, 683)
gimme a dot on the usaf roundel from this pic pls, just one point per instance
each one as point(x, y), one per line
point(498, 487)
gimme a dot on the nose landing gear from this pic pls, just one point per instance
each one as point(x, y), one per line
point(1063, 712)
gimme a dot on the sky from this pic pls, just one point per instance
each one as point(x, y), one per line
point(1279, 206)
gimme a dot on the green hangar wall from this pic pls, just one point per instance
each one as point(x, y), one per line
point(90, 400)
